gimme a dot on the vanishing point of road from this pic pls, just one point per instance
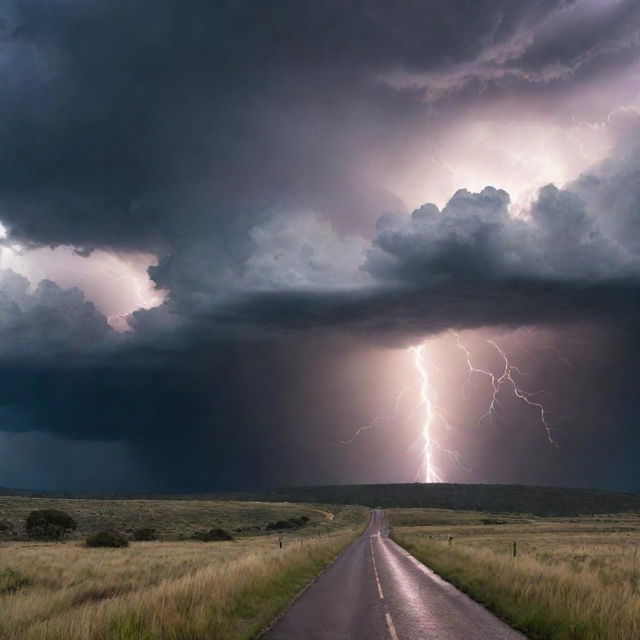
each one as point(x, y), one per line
point(377, 591)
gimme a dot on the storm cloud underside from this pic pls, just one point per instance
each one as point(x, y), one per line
point(256, 151)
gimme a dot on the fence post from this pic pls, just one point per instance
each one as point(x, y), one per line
point(515, 549)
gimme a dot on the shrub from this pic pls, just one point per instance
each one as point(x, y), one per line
point(11, 580)
point(145, 534)
point(493, 521)
point(213, 535)
point(107, 539)
point(291, 523)
point(49, 524)
point(4, 526)
point(217, 535)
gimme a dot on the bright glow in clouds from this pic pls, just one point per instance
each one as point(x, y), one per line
point(117, 284)
point(514, 155)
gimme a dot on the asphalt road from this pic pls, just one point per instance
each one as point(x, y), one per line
point(377, 591)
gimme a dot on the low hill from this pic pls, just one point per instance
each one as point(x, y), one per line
point(544, 501)
point(180, 519)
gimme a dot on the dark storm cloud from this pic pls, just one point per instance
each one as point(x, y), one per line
point(407, 314)
point(473, 264)
point(208, 132)
point(210, 390)
point(120, 123)
point(581, 38)
point(213, 368)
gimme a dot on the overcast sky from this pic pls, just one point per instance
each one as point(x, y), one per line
point(225, 224)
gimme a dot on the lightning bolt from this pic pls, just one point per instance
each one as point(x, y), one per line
point(506, 377)
point(433, 415)
point(430, 471)
point(390, 417)
point(557, 353)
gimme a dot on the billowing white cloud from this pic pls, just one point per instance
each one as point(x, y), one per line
point(302, 251)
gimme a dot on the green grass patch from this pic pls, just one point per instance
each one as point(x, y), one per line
point(12, 580)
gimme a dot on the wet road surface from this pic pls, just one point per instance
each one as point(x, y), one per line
point(377, 591)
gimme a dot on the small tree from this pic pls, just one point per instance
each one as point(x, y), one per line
point(217, 535)
point(291, 523)
point(145, 534)
point(49, 524)
point(107, 539)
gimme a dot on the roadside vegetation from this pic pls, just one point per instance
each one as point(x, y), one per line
point(180, 589)
point(571, 578)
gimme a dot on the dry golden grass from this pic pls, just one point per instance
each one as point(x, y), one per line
point(572, 579)
point(177, 590)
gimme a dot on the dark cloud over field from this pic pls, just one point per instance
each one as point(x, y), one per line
point(574, 256)
point(121, 122)
point(247, 145)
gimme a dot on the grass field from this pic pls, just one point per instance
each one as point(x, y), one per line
point(572, 578)
point(172, 519)
point(166, 589)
